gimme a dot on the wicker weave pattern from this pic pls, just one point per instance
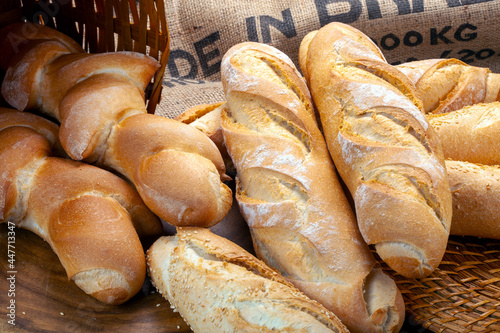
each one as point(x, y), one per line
point(103, 26)
point(463, 295)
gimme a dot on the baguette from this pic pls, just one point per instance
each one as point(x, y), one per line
point(470, 134)
point(219, 287)
point(91, 218)
point(447, 85)
point(384, 148)
point(289, 194)
point(96, 97)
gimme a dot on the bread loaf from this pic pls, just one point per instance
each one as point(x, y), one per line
point(470, 134)
point(96, 97)
point(447, 85)
point(218, 287)
point(90, 217)
point(289, 194)
point(383, 147)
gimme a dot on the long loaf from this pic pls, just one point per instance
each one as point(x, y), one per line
point(476, 199)
point(288, 192)
point(469, 137)
point(470, 134)
point(383, 146)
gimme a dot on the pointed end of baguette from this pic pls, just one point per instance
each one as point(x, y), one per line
point(384, 302)
point(405, 259)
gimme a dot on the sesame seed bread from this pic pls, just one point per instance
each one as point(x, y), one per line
point(216, 286)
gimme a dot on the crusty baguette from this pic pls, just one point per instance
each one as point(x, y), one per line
point(91, 218)
point(470, 134)
point(95, 97)
point(289, 194)
point(447, 85)
point(384, 148)
point(476, 199)
point(219, 287)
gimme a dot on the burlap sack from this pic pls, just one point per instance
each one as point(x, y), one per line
point(202, 31)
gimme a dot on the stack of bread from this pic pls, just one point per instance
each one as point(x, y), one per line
point(394, 135)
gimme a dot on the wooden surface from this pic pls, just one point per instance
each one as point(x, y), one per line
point(47, 302)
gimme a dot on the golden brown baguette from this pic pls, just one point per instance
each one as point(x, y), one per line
point(96, 97)
point(447, 85)
point(470, 134)
point(219, 287)
point(476, 199)
point(90, 217)
point(288, 192)
point(383, 147)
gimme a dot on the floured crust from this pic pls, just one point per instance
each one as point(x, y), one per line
point(383, 147)
point(217, 286)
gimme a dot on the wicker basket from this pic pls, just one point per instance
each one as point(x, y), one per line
point(103, 26)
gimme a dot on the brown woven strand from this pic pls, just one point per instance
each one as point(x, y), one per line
point(103, 26)
point(462, 295)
